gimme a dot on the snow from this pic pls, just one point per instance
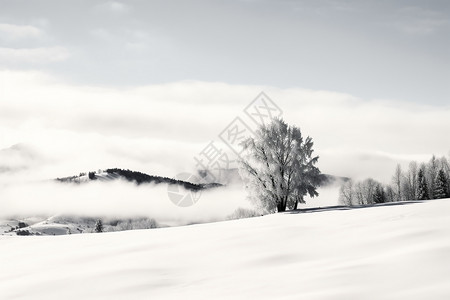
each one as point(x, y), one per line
point(397, 251)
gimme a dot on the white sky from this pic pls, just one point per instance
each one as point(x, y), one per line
point(147, 84)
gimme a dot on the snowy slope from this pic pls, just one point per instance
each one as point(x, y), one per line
point(386, 252)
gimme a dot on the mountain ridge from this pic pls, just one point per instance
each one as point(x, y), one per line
point(136, 177)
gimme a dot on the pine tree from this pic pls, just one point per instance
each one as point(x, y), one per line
point(380, 195)
point(422, 186)
point(389, 193)
point(99, 226)
point(430, 175)
point(440, 189)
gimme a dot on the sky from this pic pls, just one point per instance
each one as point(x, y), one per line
point(146, 85)
point(370, 49)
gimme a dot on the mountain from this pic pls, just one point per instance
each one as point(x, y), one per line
point(136, 177)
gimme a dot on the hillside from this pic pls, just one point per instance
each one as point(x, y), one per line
point(396, 251)
point(134, 176)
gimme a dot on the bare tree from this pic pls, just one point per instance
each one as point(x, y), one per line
point(359, 193)
point(397, 182)
point(444, 164)
point(366, 192)
point(410, 182)
point(347, 194)
point(369, 186)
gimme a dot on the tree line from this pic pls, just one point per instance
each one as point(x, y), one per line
point(419, 182)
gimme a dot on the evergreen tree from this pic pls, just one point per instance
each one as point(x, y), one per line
point(440, 189)
point(422, 185)
point(431, 175)
point(99, 226)
point(389, 193)
point(379, 195)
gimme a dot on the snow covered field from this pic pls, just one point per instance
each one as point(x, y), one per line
point(397, 251)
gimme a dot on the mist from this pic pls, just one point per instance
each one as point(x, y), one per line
point(53, 129)
point(117, 199)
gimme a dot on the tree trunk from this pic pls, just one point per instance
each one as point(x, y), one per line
point(281, 207)
point(296, 204)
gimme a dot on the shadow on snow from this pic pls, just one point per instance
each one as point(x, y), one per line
point(343, 207)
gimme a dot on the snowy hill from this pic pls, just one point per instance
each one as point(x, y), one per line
point(134, 176)
point(70, 224)
point(396, 251)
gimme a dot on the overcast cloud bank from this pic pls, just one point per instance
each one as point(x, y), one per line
point(158, 129)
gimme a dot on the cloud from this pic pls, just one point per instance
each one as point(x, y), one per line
point(18, 32)
point(158, 129)
point(116, 199)
point(114, 7)
point(421, 27)
point(101, 33)
point(118, 6)
point(41, 55)
point(418, 21)
point(19, 157)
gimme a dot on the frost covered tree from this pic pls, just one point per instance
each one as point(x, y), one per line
point(389, 193)
point(347, 194)
point(445, 166)
point(280, 167)
point(98, 226)
point(359, 193)
point(379, 195)
point(369, 185)
point(397, 181)
point(440, 188)
point(431, 174)
point(366, 192)
point(410, 182)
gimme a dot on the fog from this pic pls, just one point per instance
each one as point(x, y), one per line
point(118, 199)
point(50, 129)
point(158, 129)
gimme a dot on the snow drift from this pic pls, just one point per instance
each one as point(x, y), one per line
point(396, 251)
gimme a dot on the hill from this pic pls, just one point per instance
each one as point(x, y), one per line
point(134, 176)
point(396, 251)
